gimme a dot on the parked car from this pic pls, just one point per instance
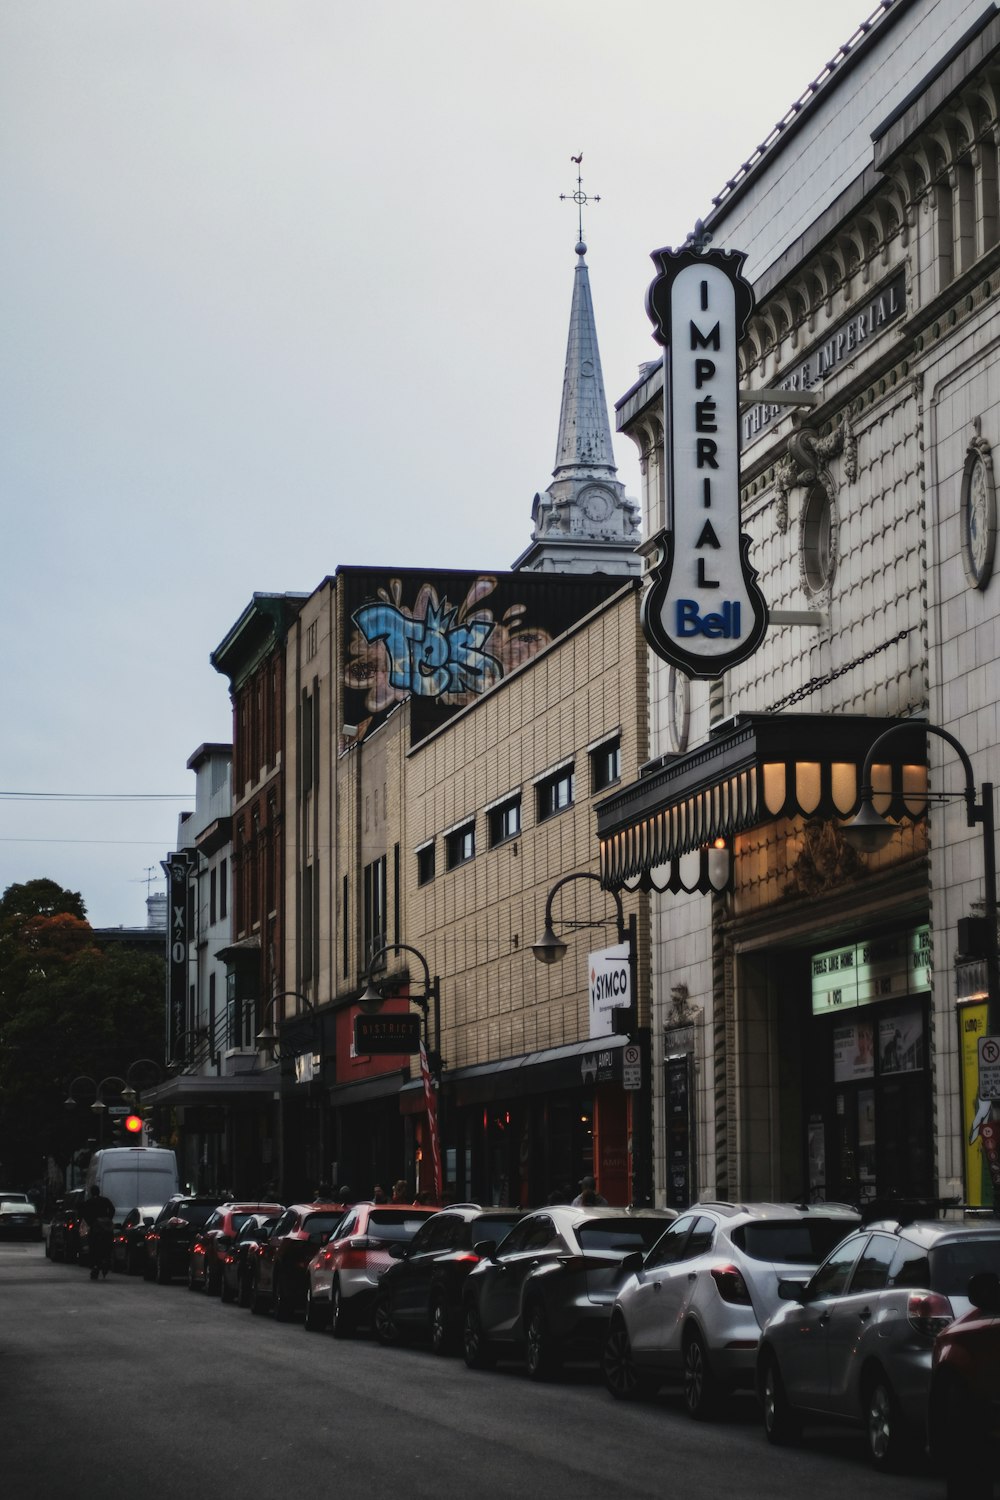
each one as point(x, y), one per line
point(854, 1342)
point(168, 1239)
point(19, 1218)
point(342, 1277)
point(128, 1249)
point(420, 1293)
point(252, 1235)
point(63, 1241)
point(546, 1292)
point(279, 1275)
point(213, 1243)
point(964, 1407)
point(693, 1308)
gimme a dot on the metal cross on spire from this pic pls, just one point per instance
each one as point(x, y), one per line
point(579, 198)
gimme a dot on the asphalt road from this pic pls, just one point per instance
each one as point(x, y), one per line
point(125, 1388)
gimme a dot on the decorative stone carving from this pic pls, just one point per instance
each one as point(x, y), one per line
point(824, 862)
point(805, 463)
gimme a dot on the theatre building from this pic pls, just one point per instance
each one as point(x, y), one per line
point(816, 1006)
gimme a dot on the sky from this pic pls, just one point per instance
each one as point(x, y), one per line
point(285, 285)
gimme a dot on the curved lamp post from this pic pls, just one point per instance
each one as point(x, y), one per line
point(549, 949)
point(267, 1038)
point(869, 832)
point(371, 998)
point(98, 1107)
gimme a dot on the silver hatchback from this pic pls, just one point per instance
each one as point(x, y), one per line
point(854, 1342)
point(693, 1308)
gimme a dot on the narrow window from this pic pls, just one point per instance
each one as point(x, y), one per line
point(555, 793)
point(606, 764)
point(460, 845)
point(425, 864)
point(505, 821)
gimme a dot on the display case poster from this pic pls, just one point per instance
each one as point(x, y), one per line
point(853, 1051)
point(972, 1026)
point(901, 1041)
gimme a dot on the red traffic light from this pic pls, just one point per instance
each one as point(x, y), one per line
point(133, 1124)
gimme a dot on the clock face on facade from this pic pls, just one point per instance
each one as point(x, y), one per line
point(678, 708)
point(979, 515)
point(596, 505)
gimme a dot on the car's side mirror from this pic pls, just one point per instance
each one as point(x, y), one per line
point(984, 1292)
point(793, 1291)
point(398, 1251)
point(485, 1249)
point(632, 1262)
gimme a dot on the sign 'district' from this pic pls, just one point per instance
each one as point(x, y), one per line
point(702, 610)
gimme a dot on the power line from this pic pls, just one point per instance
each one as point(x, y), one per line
point(96, 796)
point(146, 843)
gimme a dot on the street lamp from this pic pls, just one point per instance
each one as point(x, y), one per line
point(868, 832)
point(98, 1107)
point(549, 949)
point(371, 1000)
point(267, 1038)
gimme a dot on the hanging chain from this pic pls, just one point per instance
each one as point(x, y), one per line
point(815, 683)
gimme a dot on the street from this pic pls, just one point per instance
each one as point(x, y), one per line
point(124, 1386)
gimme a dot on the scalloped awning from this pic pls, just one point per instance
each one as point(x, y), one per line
point(659, 833)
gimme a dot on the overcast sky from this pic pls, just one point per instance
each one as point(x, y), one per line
point(285, 284)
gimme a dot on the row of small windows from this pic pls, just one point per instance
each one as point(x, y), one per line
point(553, 794)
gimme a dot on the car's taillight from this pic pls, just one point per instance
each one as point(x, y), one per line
point(730, 1285)
point(467, 1258)
point(928, 1312)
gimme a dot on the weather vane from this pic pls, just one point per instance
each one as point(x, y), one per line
point(579, 198)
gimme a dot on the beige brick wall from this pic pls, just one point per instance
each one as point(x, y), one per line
point(476, 923)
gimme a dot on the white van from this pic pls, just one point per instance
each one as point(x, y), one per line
point(133, 1175)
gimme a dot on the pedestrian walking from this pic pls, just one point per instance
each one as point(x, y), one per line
point(98, 1213)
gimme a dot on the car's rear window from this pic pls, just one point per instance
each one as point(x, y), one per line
point(797, 1242)
point(395, 1227)
point(321, 1223)
point(620, 1234)
point(194, 1213)
point(491, 1227)
point(953, 1264)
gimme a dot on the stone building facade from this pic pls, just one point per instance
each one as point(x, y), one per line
point(817, 1006)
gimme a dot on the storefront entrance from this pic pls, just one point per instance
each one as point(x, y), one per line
point(868, 1090)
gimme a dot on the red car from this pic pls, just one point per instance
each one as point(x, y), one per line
point(278, 1273)
point(964, 1407)
point(214, 1243)
point(343, 1275)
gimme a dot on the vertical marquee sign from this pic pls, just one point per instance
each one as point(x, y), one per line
point(176, 867)
point(702, 610)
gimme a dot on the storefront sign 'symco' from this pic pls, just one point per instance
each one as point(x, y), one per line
point(702, 610)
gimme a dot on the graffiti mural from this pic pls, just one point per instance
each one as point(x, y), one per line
point(447, 638)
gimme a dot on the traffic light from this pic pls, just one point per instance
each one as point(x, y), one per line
point(133, 1125)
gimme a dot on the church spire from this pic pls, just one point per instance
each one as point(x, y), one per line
point(584, 523)
point(584, 442)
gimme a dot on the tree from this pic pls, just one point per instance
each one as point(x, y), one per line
point(68, 1008)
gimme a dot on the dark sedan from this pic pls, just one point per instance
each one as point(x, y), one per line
point(213, 1243)
point(170, 1236)
point(546, 1293)
point(238, 1273)
point(128, 1248)
point(420, 1295)
point(63, 1242)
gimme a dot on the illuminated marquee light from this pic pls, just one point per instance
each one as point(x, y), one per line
point(703, 610)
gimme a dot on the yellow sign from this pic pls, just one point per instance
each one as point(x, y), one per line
point(972, 1024)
